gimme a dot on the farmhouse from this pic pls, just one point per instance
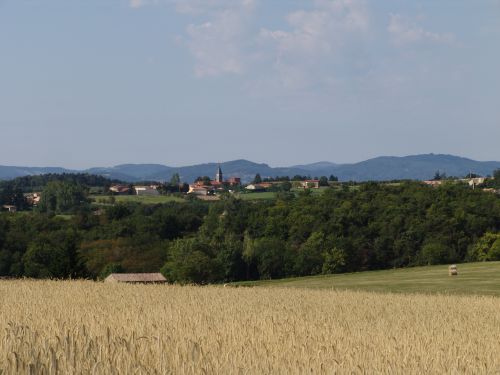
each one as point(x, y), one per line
point(146, 190)
point(255, 187)
point(120, 189)
point(33, 198)
point(473, 182)
point(135, 278)
point(9, 208)
point(433, 182)
point(200, 190)
point(310, 184)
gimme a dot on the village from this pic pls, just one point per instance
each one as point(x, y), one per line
point(208, 189)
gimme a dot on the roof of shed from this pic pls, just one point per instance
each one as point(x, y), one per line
point(138, 277)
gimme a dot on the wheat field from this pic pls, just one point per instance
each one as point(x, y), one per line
point(83, 327)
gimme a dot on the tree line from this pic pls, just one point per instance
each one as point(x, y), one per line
point(374, 226)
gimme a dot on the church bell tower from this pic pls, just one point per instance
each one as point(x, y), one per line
point(218, 176)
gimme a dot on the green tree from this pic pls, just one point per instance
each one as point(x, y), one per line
point(257, 179)
point(496, 175)
point(189, 261)
point(205, 180)
point(175, 180)
point(335, 261)
point(485, 248)
point(494, 253)
point(285, 186)
point(309, 258)
point(12, 195)
point(109, 269)
point(323, 181)
point(435, 252)
point(53, 256)
point(229, 255)
point(273, 258)
point(63, 197)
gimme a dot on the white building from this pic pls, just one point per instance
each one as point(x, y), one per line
point(146, 190)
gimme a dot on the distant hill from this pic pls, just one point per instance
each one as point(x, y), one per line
point(7, 173)
point(384, 168)
point(416, 167)
point(318, 166)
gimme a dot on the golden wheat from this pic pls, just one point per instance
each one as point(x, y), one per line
point(82, 327)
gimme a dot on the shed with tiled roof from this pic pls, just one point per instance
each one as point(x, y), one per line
point(135, 278)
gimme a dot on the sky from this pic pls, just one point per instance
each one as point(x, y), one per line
point(88, 83)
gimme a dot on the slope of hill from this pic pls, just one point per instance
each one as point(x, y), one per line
point(135, 172)
point(7, 173)
point(473, 278)
point(318, 166)
point(417, 167)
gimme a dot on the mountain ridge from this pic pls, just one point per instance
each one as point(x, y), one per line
point(382, 168)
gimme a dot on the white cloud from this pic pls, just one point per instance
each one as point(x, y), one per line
point(218, 43)
point(405, 31)
point(228, 42)
point(304, 55)
point(205, 6)
point(137, 3)
point(140, 3)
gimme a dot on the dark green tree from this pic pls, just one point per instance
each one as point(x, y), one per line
point(63, 197)
point(323, 181)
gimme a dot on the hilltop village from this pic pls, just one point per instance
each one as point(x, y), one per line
point(206, 188)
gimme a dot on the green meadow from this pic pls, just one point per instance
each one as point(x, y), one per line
point(145, 199)
point(473, 278)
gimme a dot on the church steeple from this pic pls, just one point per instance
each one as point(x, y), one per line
point(218, 176)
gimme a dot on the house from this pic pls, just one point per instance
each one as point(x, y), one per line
point(310, 184)
point(491, 190)
point(146, 190)
point(120, 189)
point(200, 190)
point(33, 198)
point(10, 208)
point(433, 182)
point(143, 278)
point(473, 182)
point(234, 181)
point(255, 187)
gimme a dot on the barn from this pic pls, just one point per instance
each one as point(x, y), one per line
point(143, 278)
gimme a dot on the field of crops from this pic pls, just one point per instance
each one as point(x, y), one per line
point(82, 327)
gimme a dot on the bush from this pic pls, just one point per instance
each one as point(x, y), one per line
point(109, 269)
point(435, 253)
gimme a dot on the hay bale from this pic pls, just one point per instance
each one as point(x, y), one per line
point(452, 270)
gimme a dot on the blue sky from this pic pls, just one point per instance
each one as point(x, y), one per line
point(102, 82)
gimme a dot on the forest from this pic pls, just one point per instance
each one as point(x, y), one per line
point(375, 226)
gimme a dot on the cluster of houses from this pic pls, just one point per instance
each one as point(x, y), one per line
point(263, 186)
point(137, 190)
point(203, 188)
point(473, 182)
point(208, 189)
